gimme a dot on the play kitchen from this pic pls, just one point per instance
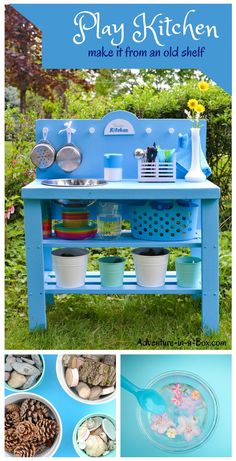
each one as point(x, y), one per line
point(114, 183)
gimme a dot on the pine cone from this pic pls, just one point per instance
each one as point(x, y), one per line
point(12, 407)
point(25, 450)
point(33, 411)
point(48, 429)
point(11, 440)
point(27, 431)
point(12, 419)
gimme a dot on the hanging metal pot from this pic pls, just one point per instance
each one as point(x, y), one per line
point(43, 154)
point(69, 156)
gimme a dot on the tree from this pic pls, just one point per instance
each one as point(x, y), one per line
point(23, 61)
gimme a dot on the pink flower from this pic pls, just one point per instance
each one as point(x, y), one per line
point(160, 423)
point(189, 404)
point(177, 388)
point(188, 427)
point(10, 211)
point(27, 173)
point(177, 400)
point(14, 162)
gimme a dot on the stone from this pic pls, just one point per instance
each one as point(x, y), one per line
point(95, 392)
point(8, 367)
point(19, 360)
point(66, 360)
point(72, 377)
point(95, 446)
point(109, 428)
point(109, 359)
point(111, 444)
point(7, 375)
point(37, 360)
point(108, 390)
point(10, 359)
point(97, 373)
point(25, 359)
point(94, 357)
point(94, 423)
point(83, 390)
point(16, 380)
point(26, 369)
point(73, 362)
point(31, 381)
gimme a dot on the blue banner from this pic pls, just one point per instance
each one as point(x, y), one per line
point(135, 36)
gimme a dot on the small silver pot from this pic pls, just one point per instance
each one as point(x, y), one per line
point(69, 157)
point(43, 153)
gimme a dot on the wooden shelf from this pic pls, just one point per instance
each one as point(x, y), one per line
point(93, 286)
point(125, 240)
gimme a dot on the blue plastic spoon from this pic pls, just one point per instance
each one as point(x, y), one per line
point(148, 399)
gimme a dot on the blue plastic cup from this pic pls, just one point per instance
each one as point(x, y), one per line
point(188, 271)
point(112, 271)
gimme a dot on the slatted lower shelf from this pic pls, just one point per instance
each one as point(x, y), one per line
point(93, 286)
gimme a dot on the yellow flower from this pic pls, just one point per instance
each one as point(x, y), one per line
point(171, 433)
point(192, 103)
point(199, 108)
point(203, 86)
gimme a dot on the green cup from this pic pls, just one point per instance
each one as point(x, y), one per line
point(112, 271)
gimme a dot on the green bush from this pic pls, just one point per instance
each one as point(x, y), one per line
point(144, 101)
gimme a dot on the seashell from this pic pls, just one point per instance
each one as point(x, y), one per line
point(83, 433)
point(95, 446)
point(106, 453)
point(112, 444)
point(16, 380)
point(94, 423)
point(109, 359)
point(66, 360)
point(72, 377)
point(31, 381)
point(37, 360)
point(103, 436)
point(83, 390)
point(95, 392)
point(80, 362)
point(7, 375)
point(107, 390)
point(100, 433)
point(109, 428)
point(25, 369)
point(82, 444)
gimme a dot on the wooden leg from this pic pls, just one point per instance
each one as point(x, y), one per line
point(210, 263)
point(35, 264)
point(48, 267)
point(195, 251)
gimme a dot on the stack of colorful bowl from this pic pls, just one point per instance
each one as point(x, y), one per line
point(75, 225)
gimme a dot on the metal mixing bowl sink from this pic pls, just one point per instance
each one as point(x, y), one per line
point(74, 182)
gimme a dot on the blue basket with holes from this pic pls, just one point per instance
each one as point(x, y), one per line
point(164, 220)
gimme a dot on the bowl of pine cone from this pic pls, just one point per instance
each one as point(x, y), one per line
point(33, 427)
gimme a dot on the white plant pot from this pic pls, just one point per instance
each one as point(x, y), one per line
point(16, 398)
point(150, 270)
point(70, 271)
point(72, 393)
point(195, 173)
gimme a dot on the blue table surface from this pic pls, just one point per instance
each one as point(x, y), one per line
point(70, 410)
point(127, 189)
point(141, 369)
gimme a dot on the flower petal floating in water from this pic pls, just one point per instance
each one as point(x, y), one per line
point(188, 427)
point(160, 423)
point(171, 432)
point(195, 395)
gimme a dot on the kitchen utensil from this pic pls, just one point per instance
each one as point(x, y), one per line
point(149, 399)
point(74, 182)
point(69, 156)
point(151, 153)
point(191, 412)
point(43, 153)
point(75, 233)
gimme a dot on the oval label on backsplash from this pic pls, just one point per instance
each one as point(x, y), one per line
point(119, 126)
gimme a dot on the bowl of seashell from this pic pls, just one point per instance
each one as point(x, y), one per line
point(23, 372)
point(95, 436)
point(88, 378)
point(33, 427)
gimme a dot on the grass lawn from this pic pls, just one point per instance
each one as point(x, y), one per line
point(111, 322)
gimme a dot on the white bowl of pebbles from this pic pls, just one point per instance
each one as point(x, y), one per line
point(23, 372)
point(88, 378)
point(95, 436)
point(33, 427)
